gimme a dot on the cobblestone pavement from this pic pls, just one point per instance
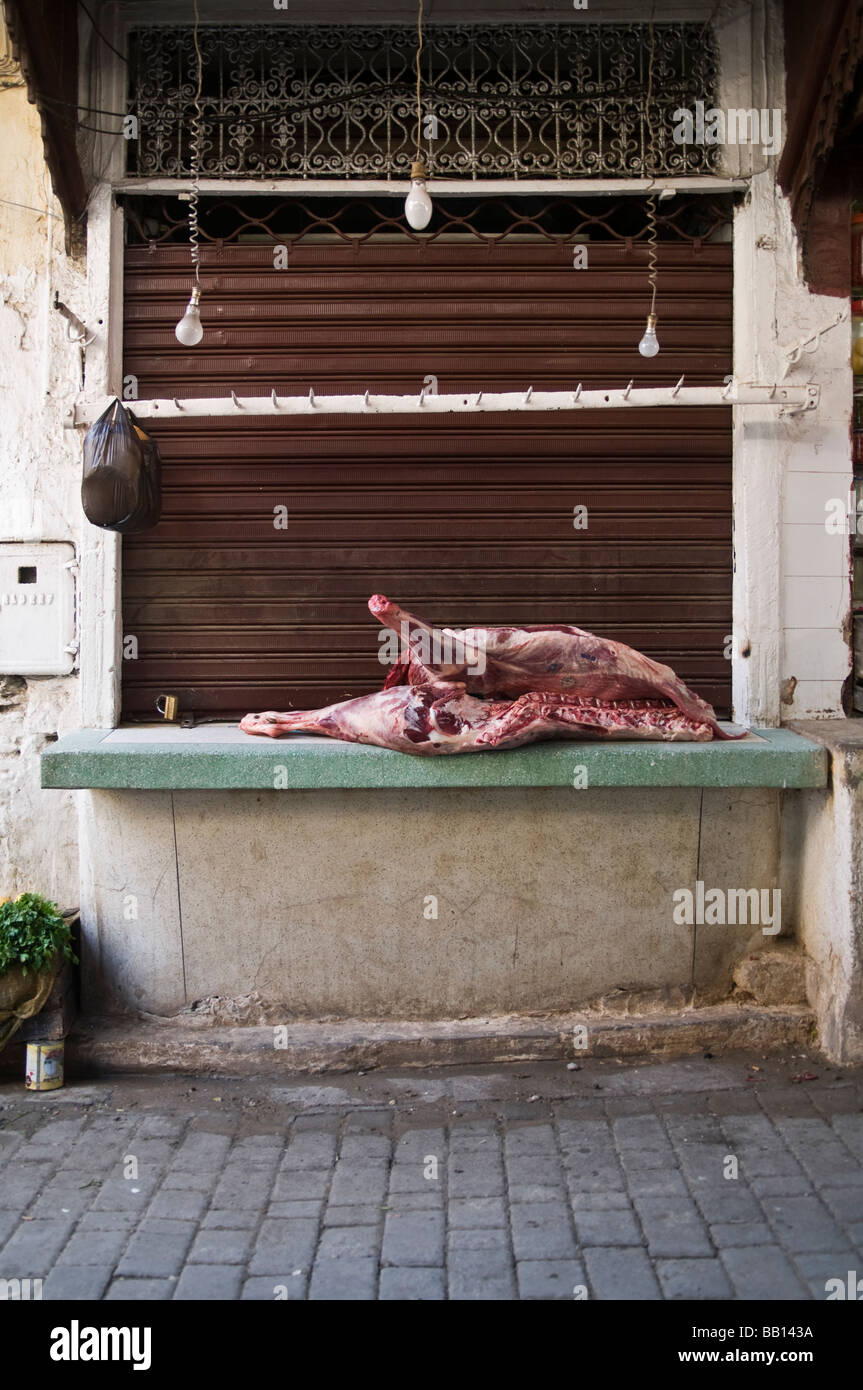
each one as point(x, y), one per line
point(524, 1181)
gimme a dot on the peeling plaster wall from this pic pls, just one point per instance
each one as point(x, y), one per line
point(39, 487)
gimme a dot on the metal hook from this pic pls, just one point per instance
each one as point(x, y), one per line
point(177, 404)
point(311, 395)
point(366, 401)
point(627, 391)
point(479, 398)
point(423, 395)
point(235, 400)
point(274, 398)
point(528, 396)
point(678, 386)
point(773, 391)
point(577, 392)
point(727, 392)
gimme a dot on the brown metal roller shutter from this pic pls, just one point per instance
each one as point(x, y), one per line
point(467, 519)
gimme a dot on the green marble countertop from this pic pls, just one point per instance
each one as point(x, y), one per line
point(218, 756)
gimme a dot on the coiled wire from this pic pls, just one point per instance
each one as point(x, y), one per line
point(197, 131)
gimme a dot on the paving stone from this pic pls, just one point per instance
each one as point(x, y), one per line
point(430, 1199)
point(162, 1127)
point(846, 1203)
point(803, 1224)
point(480, 1275)
point(200, 1151)
point(310, 1150)
point(542, 1231)
point(472, 1176)
point(77, 1283)
point(94, 1248)
point(357, 1215)
point(225, 1247)
point(352, 1185)
point(275, 1289)
point(247, 1220)
point(779, 1185)
point(365, 1148)
point(244, 1189)
point(672, 1229)
point(414, 1238)
point(530, 1139)
point(344, 1280)
point(818, 1269)
point(412, 1283)
point(18, 1186)
point(550, 1279)
point(610, 1227)
point(353, 1242)
point(116, 1194)
point(762, 1272)
point(657, 1182)
point(154, 1254)
point(727, 1234)
point(180, 1206)
point(33, 1248)
point(621, 1273)
point(693, 1279)
point(479, 1238)
point(537, 1168)
point(600, 1201)
point(107, 1221)
point(411, 1177)
point(188, 1180)
point(209, 1281)
point(284, 1245)
point(140, 1290)
point(300, 1185)
point(473, 1212)
point(726, 1201)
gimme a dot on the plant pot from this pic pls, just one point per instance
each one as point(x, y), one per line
point(22, 995)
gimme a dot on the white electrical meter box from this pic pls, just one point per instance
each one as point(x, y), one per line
point(37, 608)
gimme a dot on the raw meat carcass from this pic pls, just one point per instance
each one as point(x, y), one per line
point(441, 717)
point(545, 657)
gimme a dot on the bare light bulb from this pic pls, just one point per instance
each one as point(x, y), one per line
point(418, 204)
point(649, 345)
point(189, 330)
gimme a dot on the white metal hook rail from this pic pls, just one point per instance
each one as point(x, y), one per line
point(788, 400)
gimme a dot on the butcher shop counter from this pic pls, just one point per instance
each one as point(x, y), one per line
point(338, 880)
point(214, 757)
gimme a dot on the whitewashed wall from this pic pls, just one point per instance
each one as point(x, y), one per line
point(39, 490)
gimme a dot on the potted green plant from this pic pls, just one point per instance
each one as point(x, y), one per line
point(35, 940)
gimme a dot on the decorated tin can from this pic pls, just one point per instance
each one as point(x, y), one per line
point(44, 1066)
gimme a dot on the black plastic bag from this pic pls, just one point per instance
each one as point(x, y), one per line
point(122, 485)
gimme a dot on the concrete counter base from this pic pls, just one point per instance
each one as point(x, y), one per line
point(110, 1046)
point(415, 903)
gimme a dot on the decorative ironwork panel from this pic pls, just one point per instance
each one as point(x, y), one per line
point(507, 101)
point(559, 219)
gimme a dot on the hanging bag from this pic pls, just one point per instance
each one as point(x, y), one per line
point(122, 485)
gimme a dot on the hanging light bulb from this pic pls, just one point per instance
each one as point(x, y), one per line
point(190, 330)
point(649, 345)
point(418, 204)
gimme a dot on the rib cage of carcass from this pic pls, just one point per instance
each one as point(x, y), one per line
point(476, 689)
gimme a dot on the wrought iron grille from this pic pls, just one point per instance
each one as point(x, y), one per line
point(507, 101)
point(692, 218)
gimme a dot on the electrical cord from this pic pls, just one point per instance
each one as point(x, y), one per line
point(197, 132)
point(98, 31)
point(419, 154)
